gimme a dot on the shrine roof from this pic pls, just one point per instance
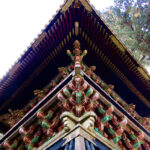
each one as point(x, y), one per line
point(76, 20)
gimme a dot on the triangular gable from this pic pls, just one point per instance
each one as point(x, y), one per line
point(77, 19)
point(78, 103)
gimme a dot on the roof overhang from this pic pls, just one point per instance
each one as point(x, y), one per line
point(115, 64)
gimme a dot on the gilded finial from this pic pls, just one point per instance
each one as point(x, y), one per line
point(68, 52)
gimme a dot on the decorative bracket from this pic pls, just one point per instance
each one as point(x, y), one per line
point(87, 120)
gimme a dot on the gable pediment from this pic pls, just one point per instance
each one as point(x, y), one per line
point(81, 99)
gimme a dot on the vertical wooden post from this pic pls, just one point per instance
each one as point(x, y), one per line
point(79, 143)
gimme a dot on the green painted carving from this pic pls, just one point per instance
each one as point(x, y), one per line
point(35, 139)
point(30, 147)
point(137, 144)
point(66, 92)
point(45, 124)
point(49, 116)
point(14, 145)
point(101, 111)
point(99, 132)
point(111, 131)
point(78, 97)
point(40, 122)
point(133, 137)
point(106, 119)
point(116, 139)
point(89, 92)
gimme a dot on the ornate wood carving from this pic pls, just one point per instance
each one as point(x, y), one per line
point(78, 103)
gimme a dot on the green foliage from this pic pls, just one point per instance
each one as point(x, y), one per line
point(130, 19)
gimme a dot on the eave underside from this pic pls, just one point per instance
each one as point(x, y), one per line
point(68, 117)
point(114, 64)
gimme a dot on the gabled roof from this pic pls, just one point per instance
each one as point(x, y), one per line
point(77, 97)
point(76, 19)
point(76, 103)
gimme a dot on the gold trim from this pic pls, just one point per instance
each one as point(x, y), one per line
point(67, 38)
point(143, 73)
point(76, 28)
point(65, 41)
point(70, 34)
point(67, 5)
point(86, 5)
point(117, 43)
point(83, 34)
point(41, 37)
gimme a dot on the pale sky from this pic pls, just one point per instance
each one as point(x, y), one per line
point(21, 21)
